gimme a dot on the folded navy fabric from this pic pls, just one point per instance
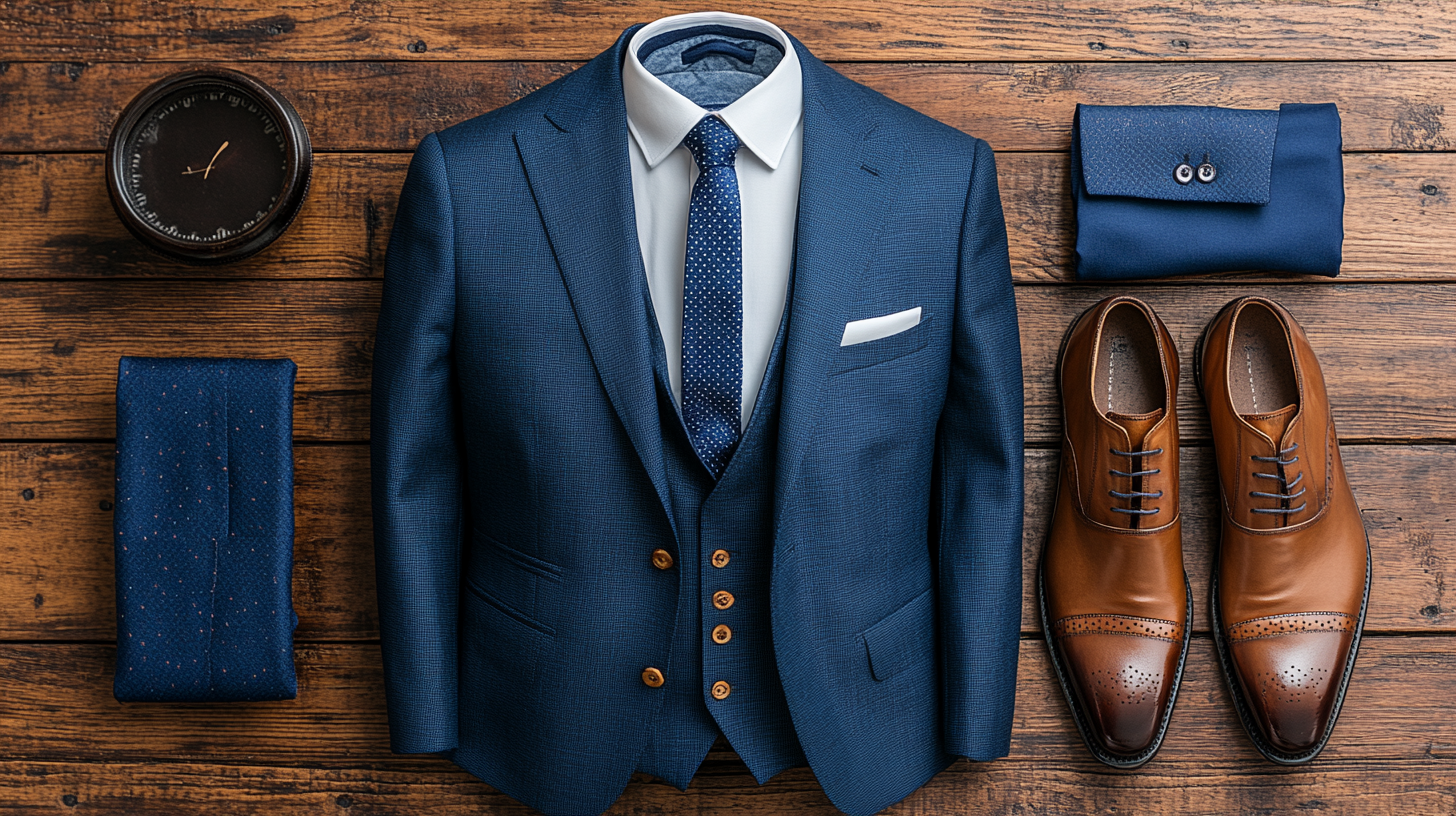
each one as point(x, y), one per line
point(1163, 190)
point(204, 530)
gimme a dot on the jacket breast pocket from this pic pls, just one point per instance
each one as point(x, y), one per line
point(516, 584)
point(884, 349)
point(902, 638)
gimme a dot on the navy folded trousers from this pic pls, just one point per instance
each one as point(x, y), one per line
point(204, 530)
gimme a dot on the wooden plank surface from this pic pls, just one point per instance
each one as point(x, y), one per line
point(58, 706)
point(362, 106)
point(58, 361)
point(1400, 222)
point(893, 30)
point(57, 580)
point(723, 787)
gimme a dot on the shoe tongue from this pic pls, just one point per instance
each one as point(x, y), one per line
point(1136, 425)
point(1273, 424)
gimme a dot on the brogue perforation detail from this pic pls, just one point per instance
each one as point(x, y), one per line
point(1292, 624)
point(1128, 685)
point(1117, 625)
point(1290, 685)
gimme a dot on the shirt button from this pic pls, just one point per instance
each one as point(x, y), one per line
point(662, 559)
point(722, 599)
point(720, 558)
point(653, 677)
point(722, 634)
point(721, 690)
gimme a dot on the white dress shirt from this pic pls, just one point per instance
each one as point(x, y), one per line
point(768, 121)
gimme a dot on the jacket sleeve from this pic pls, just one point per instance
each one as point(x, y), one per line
point(977, 496)
point(415, 463)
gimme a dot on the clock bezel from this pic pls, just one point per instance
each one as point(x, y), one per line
point(257, 237)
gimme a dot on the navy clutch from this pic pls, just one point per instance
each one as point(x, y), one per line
point(204, 530)
point(1183, 190)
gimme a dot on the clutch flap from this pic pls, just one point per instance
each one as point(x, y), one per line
point(1176, 152)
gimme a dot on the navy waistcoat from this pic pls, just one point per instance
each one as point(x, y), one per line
point(734, 514)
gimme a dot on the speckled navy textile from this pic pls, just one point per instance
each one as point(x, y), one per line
point(204, 530)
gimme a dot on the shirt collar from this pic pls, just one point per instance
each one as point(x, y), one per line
point(763, 119)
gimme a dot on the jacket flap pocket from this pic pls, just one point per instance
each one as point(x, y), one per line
point(1176, 152)
point(901, 637)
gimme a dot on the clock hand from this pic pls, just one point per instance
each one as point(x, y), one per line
point(208, 169)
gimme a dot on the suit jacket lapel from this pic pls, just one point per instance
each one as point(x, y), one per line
point(577, 165)
point(844, 197)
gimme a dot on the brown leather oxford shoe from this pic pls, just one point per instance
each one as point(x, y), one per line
point(1115, 603)
point(1293, 574)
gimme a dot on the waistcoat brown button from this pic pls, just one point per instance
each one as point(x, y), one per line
point(722, 634)
point(653, 677)
point(720, 558)
point(662, 559)
point(721, 690)
point(722, 599)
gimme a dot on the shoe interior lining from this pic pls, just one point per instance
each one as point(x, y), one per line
point(1260, 371)
point(1129, 376)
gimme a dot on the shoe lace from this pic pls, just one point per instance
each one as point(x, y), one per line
point(1285, 483)
point(1137, 493)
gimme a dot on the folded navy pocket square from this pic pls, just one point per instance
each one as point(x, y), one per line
point(204, 530)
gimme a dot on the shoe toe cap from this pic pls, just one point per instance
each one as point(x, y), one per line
point(1123, 684)
point(1290, 683)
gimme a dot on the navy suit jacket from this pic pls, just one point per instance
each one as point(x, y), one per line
point(518, 463)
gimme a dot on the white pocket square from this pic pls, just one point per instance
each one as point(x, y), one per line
point(873, 328)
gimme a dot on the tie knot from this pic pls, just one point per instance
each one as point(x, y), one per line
point(712, 143)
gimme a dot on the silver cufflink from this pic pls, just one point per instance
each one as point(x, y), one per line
point(1206, 171)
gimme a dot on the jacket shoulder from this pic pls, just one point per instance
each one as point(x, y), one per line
point(902, 122)
point(487, 127)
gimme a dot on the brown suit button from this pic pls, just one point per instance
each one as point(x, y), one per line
point(721, 690)
point(662, 559)
point(722, 634)
point(720, 558)
point(653, 677)
point(722, 599)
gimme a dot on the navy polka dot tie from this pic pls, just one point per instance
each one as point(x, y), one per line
point(712, 349)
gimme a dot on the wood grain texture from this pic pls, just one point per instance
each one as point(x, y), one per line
point(58, 707)
point(1400, 222)
point(723, 787)
point(58, 360)
point(366, 106)
point(892, 30)
point(57, 581)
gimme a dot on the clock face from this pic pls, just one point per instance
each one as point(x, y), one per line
point(205, 163)
point(208, 165)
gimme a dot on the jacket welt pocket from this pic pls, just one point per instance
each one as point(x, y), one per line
point(882, 350)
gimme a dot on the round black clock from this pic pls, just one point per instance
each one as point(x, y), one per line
point(209, 165)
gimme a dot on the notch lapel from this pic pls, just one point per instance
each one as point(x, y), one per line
point(577, 166)
point(844, 197)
